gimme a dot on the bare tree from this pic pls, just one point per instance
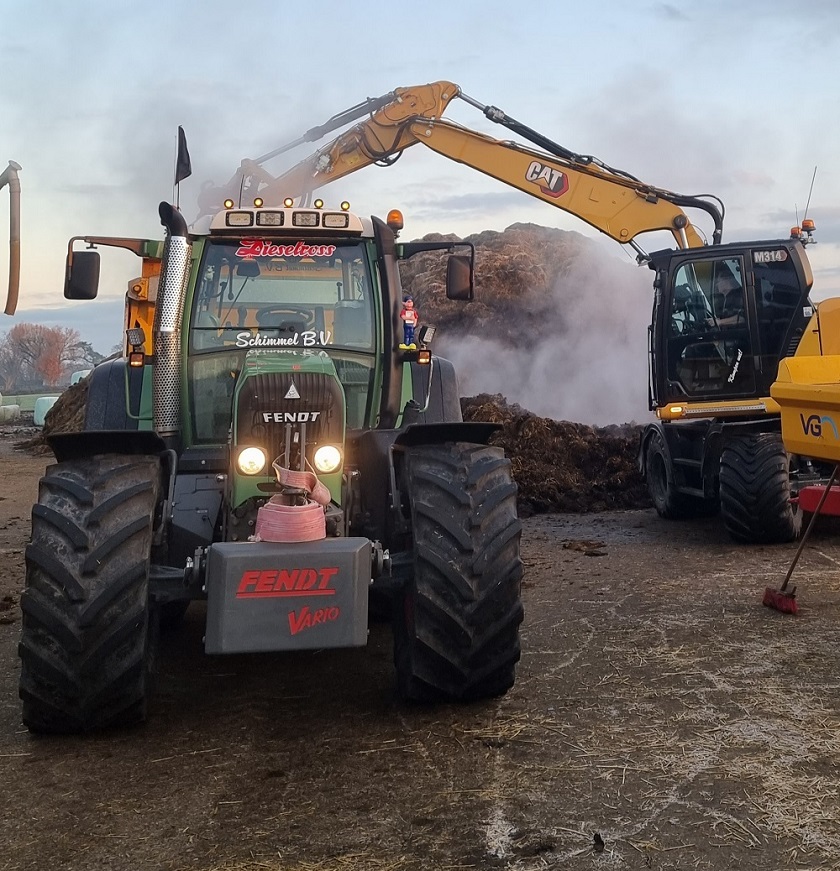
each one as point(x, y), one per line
point(32, 355)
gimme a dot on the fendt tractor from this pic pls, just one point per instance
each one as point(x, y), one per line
point(716, 443)
point(266, 445)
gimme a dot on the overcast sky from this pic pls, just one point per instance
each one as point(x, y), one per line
point(737, 99)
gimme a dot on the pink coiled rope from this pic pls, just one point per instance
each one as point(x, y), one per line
point(279, 522)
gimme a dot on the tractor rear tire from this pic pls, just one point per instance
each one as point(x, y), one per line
point(668, 502)
point(456, 621)
point(88, 638)
point(755, 493)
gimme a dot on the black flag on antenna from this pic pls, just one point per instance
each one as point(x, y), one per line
point(183, 167)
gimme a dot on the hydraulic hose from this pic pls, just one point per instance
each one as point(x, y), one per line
point(10, 177)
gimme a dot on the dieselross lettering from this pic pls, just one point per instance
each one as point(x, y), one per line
point(258, 248)
point(267, 583)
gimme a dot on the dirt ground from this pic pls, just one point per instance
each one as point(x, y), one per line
point(657, 704)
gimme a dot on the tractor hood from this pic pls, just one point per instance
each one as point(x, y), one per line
point(288, 403)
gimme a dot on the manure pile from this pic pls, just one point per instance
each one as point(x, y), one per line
point(561, 466)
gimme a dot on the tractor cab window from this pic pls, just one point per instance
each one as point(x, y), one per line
point(709, 352)
point(262, 294)
point(266, 294)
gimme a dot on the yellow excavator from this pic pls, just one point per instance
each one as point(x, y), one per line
point(724, 315)
point(9, 177)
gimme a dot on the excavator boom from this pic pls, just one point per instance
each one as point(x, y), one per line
point(612, 201)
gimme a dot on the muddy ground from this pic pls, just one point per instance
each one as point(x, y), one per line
point(657, 704)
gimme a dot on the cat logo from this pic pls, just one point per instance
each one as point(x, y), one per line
point(550, 181)
point(292, 392)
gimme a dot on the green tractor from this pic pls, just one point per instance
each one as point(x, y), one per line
point(267, 446)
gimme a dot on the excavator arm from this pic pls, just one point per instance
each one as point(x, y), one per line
point(612, 201)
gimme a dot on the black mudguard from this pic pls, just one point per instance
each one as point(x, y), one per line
point(88, 443)
point(113, 400)
point(443, 398)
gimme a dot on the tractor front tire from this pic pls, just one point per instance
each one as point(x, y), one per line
point(88, 638)
point(755, 494)
point(456, 621)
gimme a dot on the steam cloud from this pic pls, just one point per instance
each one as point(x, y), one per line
point(589, 364)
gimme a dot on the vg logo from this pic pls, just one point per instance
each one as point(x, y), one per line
point(813, 425)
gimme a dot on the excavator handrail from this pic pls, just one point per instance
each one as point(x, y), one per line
point(9, 177)
point(611, 200)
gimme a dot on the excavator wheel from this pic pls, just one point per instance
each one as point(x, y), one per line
point(667, 500)
point(755, 494)
point(88, 638)
point(456, 621)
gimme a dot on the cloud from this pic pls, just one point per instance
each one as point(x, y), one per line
point(99, 322)
point(669, 12)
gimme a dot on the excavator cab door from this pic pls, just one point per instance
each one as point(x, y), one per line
point(724, 317)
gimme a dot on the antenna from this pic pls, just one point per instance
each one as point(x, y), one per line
point(813, 179)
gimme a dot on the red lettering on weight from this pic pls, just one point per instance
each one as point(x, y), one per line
point(306, 619)
point(270, 583)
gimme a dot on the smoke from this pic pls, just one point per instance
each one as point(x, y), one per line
point(588, 363)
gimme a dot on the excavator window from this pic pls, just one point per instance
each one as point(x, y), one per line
point(778, 299)
point(709, 345)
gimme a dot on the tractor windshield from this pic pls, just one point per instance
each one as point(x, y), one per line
point(266, 294)
point(270, 295)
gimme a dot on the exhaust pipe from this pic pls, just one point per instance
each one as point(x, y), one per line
point(169, 310)
point(9, 177)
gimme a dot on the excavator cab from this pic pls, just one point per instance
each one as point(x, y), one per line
point(723, 318)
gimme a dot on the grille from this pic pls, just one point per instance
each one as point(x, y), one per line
point(266, 417)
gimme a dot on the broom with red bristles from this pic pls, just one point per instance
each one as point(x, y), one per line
point(784, 600)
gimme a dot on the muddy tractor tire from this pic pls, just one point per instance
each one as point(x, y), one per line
point(456, 621)
point(88, 638)
point(668, 502)
point(755, 490)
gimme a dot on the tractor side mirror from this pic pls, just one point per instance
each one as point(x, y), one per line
point(82, 275)
point(459, 277)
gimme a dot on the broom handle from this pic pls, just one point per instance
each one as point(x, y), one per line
point(810, 527)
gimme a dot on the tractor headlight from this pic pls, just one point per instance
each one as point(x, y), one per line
point(327, 458)
point(251, 461)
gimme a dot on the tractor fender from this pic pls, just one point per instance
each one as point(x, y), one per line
point(113, 396)
point(441, 397)
point(89, 443)
point(475, 432)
